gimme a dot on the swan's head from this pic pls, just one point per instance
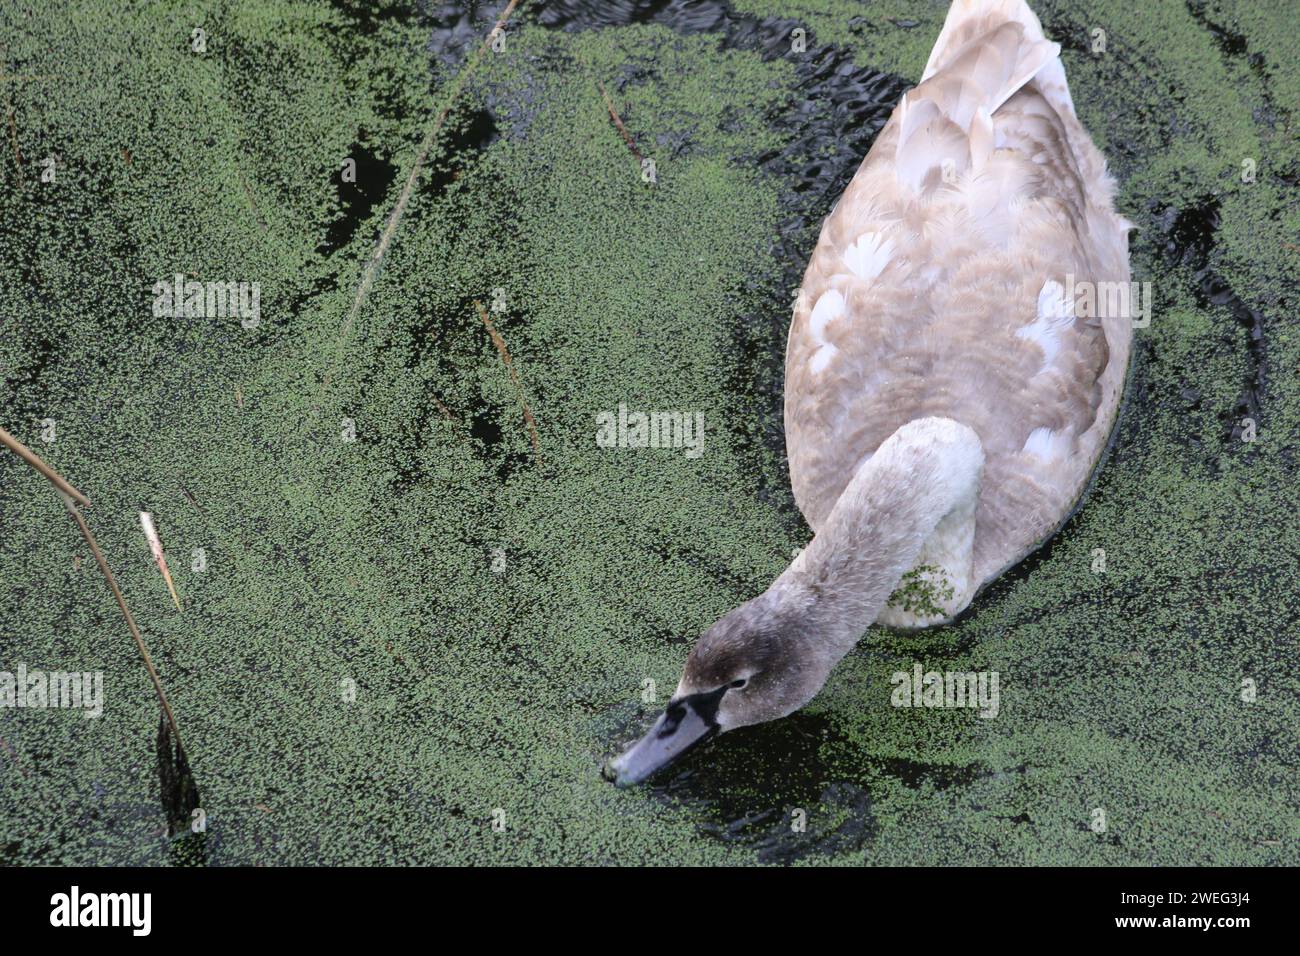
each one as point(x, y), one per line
point(755, 664)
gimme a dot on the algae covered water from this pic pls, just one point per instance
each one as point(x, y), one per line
point(420, 604)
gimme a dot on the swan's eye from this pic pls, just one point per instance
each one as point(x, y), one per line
point(740, 682)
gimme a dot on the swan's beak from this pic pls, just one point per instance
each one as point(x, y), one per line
point(687, 721)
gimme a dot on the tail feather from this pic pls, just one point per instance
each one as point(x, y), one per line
point(970, 20)
point(987, 50)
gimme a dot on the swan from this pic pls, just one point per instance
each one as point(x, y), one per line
point(947, 397)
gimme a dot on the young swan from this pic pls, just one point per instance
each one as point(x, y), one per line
point(947, 394)
point(770, 656)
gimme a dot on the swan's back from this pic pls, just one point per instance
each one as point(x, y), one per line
point(938, 288)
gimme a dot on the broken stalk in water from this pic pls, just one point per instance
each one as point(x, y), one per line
point(180, 794)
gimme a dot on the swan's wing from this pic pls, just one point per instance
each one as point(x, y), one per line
point(941, 285)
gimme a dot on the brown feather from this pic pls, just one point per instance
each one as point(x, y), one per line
point(938, 331)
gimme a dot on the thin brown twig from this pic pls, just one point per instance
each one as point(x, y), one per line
point(33, 459)
point(500, 343)
point(235, 553)
point(248, 193)
point(186, 492)
point(71, 498)
point(5, 77)
point(395, 217)
point(8, 108)
point(9, 115)
point(618, 122)
point(446, 412)
point(126, 613)
point(13, 138)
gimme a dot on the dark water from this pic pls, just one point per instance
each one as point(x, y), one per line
point(374, 176)
point(1190, 236)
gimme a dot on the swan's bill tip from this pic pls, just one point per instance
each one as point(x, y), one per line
point(685, 723)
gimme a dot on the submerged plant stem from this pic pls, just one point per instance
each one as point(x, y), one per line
point(71, 498)
point(504, 352)
point(618, 122)
point(395, 217)
point(126, 613)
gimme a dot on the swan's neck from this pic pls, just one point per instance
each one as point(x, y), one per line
point(909, 510)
